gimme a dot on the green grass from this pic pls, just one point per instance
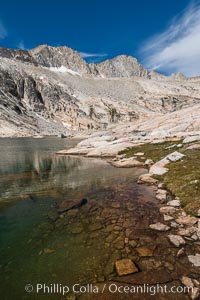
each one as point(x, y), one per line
point(180, 180)
point(152, 151)
point(182, 174)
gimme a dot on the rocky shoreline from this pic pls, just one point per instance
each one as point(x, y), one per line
point(186, 228)
point(175, 230)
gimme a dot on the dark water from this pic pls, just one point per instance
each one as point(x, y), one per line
point(34, 249)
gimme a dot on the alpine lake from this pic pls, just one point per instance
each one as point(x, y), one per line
point(40, 244)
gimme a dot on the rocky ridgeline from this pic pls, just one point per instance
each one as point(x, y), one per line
point(52, 90)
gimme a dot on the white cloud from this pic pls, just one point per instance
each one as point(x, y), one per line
point(3, 31)
point(21, 45)
point(177, 49)
point(90, 55)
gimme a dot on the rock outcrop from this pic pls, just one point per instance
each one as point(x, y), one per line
point(52, 90)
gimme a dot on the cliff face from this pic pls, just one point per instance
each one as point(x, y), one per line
point(51, 90)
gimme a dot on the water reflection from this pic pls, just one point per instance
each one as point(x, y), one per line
point(30, 168)
point(70, 250)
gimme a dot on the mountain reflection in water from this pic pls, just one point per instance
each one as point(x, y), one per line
point(30, 168)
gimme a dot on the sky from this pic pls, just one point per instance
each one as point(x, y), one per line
point(162, 35)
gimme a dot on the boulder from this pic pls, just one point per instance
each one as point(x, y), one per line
point(139, 154)
point(175, 156)
point(167, 218)
point(159, 167)
point(129, 163)
point(148, 162)
point(191, 139)
point(147, 178)
point(184, 232)
point(167, 210)
point(108, 150)
point(101, 138)
point(188, 220)
point(156, 169)
point(174, 203)
point(194, 146)
point(161, 195)
point(161, 185)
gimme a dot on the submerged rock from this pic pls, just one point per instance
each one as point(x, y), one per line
point(78, 228)
point(53, 215)
point(133, 243)
point(67, 205)
point(144, 251)
point(161, 275)
point(95, 226)
point(119, 245)
point(48, 250)
point(125, 266)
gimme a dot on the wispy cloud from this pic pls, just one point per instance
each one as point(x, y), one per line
point(177, 49)
point(3, 31)
point(93, 57)
point(21, 45)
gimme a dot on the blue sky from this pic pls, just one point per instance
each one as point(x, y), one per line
point(100, 29)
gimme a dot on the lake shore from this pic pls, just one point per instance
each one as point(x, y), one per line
point(165, 163)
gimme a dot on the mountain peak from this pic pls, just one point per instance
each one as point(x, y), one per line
point(61, 56)
point(121, 66)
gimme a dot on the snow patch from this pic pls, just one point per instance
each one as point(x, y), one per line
point(63, 69)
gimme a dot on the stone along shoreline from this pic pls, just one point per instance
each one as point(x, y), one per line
point(156, 236)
